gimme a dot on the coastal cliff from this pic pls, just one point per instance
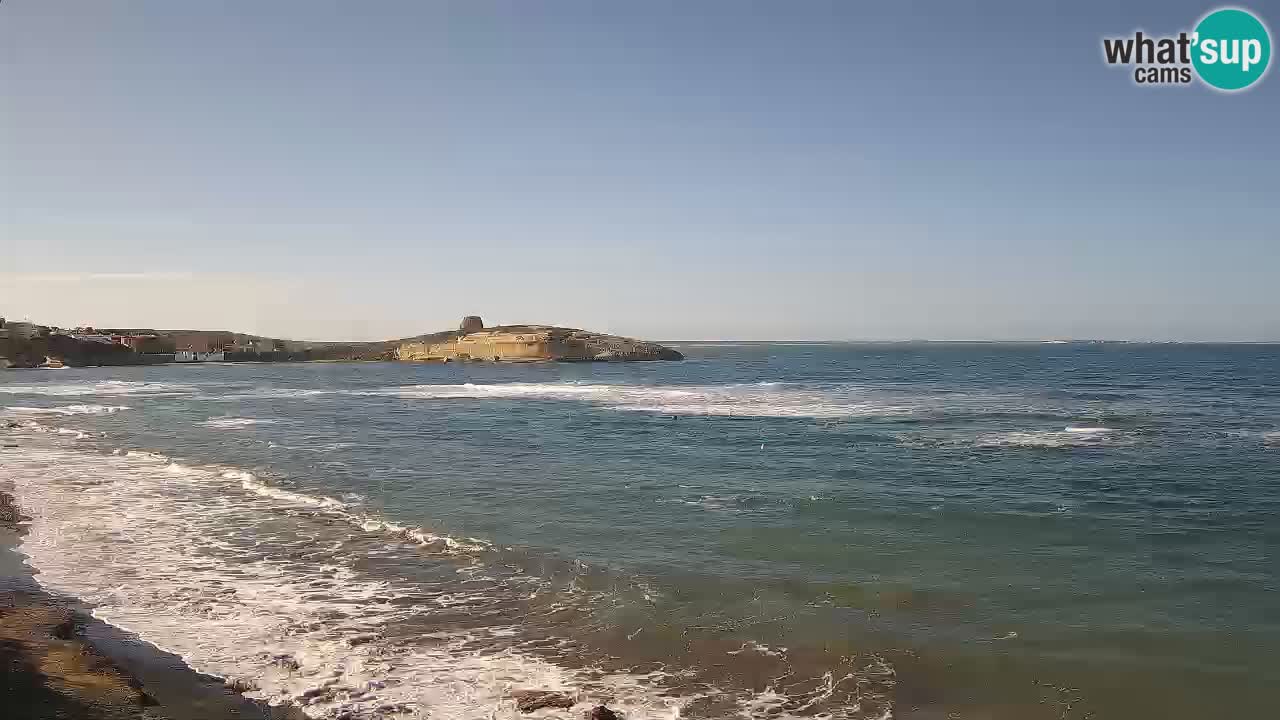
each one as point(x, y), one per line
point(528, 343)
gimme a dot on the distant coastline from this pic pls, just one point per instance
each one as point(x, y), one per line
point(29, 345)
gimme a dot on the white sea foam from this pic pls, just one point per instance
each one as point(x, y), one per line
point(714, 503)
point(759, 648)
point(1066, 438)
point(349, 509)
point(420, 536)
point(234, 423)
point(174, 468)
point(68, 410)
point(250, 482)
point(302, 623)
point(273, 393)
point(741, 400)
point(107, 388)
point(159, 457)
point(770, 704)
point(41, 428)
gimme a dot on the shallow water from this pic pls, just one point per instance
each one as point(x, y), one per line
point(850, 531)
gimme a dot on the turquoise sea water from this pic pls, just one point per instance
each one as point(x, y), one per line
point(763, 530)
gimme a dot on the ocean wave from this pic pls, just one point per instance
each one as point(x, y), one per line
point(250, 482)
point(106, 388)
point(273, 393)
point(423, 537)
point(68, 410)
point(41, 428)
point(735, 400)
point(714, 503)
point(349, 510)
point(225, 573)
point(1069, 437)
point(760, 400)
point(1268, 438)
point(159, 457)
point(233, 423)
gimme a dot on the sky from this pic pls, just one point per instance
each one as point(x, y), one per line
point(661, 169)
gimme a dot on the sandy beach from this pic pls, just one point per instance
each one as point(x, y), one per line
point(57, 661)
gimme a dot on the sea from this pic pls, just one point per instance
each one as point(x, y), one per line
point(936, 531)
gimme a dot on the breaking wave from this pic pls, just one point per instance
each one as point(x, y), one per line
point(107, 388)
point(742, 400)
point(273, 393)
point(1069, 437)
point(232, 423)
point(68, 410)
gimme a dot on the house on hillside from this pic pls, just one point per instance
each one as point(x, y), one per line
point(201, 347)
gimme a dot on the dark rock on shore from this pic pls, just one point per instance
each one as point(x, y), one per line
point(8, 511)
point(600, 712)
point(48, 672)
point(530, 700)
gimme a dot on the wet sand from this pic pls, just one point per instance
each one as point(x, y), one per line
point(57, 661)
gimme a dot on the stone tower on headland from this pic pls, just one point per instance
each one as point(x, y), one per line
point(470, 324)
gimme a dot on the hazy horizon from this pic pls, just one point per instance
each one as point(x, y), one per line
point(778, 340)
point(821, 171)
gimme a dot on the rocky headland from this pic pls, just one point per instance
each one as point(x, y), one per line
point(472, 342)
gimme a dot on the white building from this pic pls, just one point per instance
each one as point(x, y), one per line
point(22, 330)
point(193, 356)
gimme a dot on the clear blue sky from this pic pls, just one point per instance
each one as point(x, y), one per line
point(821, 170)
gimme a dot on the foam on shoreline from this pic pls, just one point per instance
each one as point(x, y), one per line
point(67, 410)
point(248, 592)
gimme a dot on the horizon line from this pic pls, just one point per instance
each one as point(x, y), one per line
point(805, 341)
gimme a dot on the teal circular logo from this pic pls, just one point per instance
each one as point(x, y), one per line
point(1231, 49)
